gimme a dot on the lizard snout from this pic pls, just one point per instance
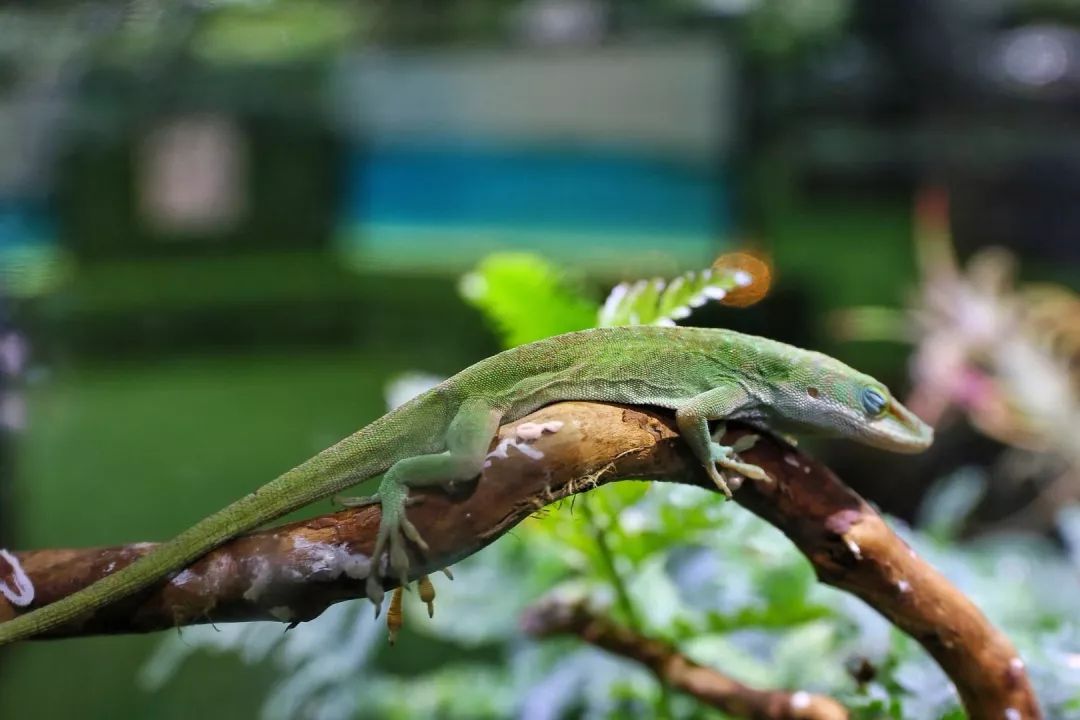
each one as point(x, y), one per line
point(900, 430)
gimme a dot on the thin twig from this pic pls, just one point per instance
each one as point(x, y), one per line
point(675, 670)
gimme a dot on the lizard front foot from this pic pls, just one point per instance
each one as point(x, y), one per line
point(724, 456)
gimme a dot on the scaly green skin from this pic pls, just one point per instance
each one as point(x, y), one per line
point(443, 436)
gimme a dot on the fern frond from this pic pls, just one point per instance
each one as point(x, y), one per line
point(661, 302)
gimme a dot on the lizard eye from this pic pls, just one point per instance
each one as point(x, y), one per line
point(873, 402)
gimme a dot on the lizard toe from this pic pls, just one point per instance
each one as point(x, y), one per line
point(399, 559)
point(413, 534)
point(745, 442)
point(718, 479)
point(753, 472)
point(427, 594)
point(350, 502)
point(374, 590)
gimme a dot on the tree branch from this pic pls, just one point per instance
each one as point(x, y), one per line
point(294, 572)
point(676, 670)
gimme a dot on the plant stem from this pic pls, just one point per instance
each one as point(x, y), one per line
point(622, 595)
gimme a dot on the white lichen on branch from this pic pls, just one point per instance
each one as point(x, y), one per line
point(523, 435)
point(14, 584)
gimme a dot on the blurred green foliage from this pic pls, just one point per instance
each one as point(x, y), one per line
point(526, 300)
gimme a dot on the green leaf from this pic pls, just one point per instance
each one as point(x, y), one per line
point(526, 298)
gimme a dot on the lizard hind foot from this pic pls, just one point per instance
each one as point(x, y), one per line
point(394, 530)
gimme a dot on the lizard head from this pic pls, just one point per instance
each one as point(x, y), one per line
point(834, 398)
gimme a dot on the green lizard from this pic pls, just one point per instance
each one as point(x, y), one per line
point(443, 436)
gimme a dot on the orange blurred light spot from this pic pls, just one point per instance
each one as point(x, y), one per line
point(758, 271)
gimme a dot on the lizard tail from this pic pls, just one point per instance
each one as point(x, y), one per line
point(286, 493)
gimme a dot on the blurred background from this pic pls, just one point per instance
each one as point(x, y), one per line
point(228, 228)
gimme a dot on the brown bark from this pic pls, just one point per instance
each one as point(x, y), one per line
point(678, 671)
point(294, 572)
